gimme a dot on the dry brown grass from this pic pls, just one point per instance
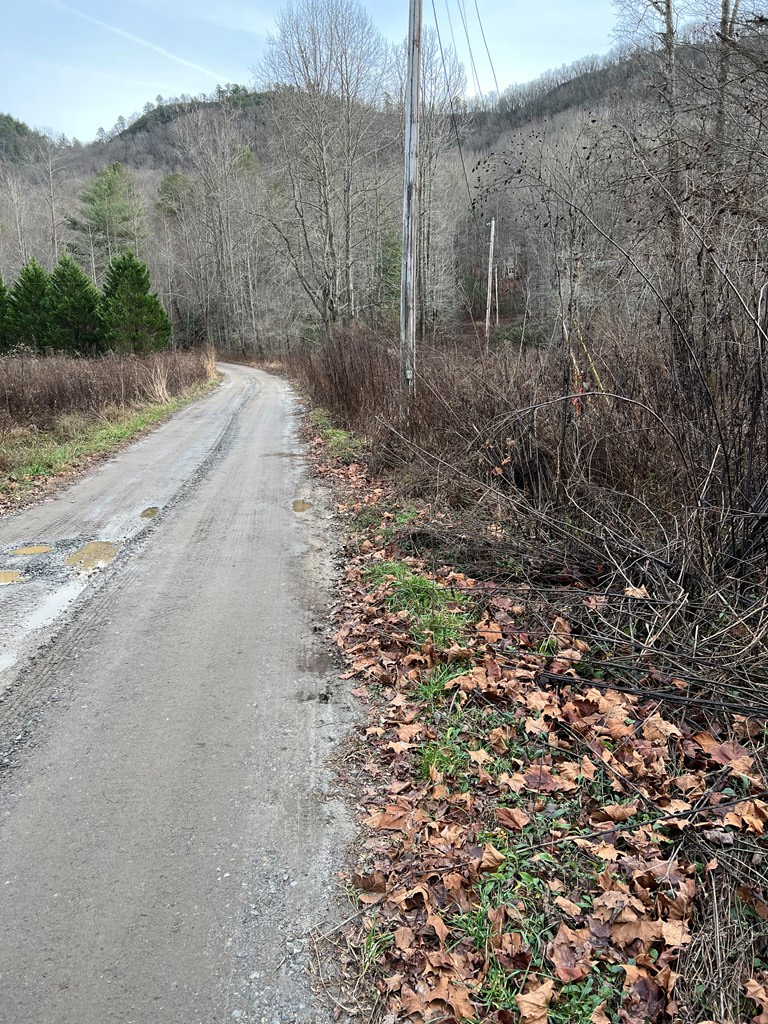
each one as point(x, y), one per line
point(39, 391)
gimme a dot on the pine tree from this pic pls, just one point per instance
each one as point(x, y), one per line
point(71, 307)
point(110, 218)
point(131, 316)
point(27, 318)
point(5, 317)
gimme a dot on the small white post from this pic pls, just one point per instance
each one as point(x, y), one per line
point(490, 282)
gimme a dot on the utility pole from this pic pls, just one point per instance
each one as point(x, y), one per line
point(490, 285)
point(410, 214)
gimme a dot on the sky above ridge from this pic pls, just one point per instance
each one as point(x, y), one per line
point(75, 67)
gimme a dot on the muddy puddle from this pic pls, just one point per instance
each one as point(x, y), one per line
point(301, 506)
point(8, 576)
point(150, 513)
point(33, 549)
point(94, 555)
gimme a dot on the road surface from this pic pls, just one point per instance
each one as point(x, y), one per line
point(168, 829)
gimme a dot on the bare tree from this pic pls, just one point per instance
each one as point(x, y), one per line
point(326, 66)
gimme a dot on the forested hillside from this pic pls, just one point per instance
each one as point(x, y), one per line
point(268, 214)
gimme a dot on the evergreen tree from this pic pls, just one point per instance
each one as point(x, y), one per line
point(27, 307)
point(5, 317)
point(71, 306)
point(110, 218)
point(131, 316)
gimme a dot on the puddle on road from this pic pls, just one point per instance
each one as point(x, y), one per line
point(33, 549)
point(150, 513)
point(54, 605)
point(9, 576)
point(7, 661)
point(94, 555)
point(301, 506)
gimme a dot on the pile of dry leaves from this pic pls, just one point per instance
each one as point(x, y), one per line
point(539, 845)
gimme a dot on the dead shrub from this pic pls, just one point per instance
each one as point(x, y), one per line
point(46, 391)
point(616, 456)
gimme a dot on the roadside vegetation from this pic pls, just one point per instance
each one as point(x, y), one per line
point(555, 608)
point(83, 369)
point(57, 413)
point(554, 829)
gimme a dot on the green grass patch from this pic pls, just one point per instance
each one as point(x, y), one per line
point(432, 685)
point(27, 454)
point(527, 899)
point(342, 444)
point(448, 755)
point(435, 613)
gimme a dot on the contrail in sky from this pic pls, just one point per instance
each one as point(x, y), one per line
point(135, 39)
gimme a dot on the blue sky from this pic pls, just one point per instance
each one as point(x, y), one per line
point(76, 66)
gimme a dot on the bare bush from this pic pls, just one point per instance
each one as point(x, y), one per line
point(37, 391)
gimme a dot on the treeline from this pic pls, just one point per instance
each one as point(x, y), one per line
point(266, 218)
point(65, 312)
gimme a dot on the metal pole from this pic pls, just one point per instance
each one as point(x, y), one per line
point(410, 213)
point(490, 283)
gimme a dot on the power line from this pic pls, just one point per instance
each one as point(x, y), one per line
point(463, 15)
point(453, 112)
point(487, 50)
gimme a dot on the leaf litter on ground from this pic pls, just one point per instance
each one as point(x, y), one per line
point(533, 851)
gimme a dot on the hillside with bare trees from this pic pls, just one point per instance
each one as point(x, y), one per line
point(559, 542)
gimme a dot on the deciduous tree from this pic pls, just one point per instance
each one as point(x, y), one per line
point(327, 67)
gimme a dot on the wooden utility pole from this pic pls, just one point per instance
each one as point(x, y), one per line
point(410, 212)
point(490, 285)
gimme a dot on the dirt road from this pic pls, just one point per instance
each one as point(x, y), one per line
point(167, 829)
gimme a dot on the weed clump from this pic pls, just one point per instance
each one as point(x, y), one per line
point(436, 614)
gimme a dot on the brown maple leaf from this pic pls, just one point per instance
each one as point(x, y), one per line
point(534, 1004)
point(512, 818)
point(571, 952)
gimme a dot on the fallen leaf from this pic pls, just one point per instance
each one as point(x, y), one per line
point(490, 631)
point(394, 817)
point(374, 882)
point(512, 954)
point(675, 933)
point(498, 740)
point(758, 994)
point(541, 779)
point(492, 858)
point(568, 907)
point(645, 1000)
point(571, 952)
point(480, 756)
point(598, 1015)
point(439, 925)
point(534, 1005)
point(615, 812)
point(512, 817)
point(658, 730)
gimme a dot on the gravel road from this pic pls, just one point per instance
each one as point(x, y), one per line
point(168, 828)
